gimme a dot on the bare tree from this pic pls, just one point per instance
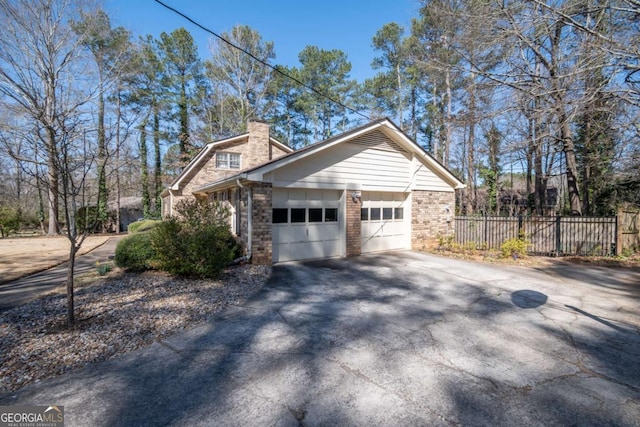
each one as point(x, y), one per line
point(44, 75)
point(245, 82)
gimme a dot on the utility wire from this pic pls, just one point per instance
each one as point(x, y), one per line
point(276, 69)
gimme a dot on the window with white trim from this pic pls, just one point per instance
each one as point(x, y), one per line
point(227, 160)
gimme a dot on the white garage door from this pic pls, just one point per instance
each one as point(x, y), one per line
point(306, 224)
point(385, 222)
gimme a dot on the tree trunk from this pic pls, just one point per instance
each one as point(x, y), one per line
point(529, 158)
point(570, 162)
point(118, 190)
point(157, 171)
point(471, 199)
point(448, 124)
point(184, 124)
point(144, 167)
point(413, 130)
point(70, 277)
point(400, 106)
point(102, 160)
point(586, 164)
point(54, 225)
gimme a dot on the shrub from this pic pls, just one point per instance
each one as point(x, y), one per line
point(135, 252)
point(103, 268)
point(10, 220)
point(196, 243)
point(516, 248)
point(143, 226)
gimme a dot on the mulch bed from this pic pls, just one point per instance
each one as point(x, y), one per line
point(114, 315)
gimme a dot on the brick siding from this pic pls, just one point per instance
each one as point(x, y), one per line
point(254, 150)
point(261, 222)
point(431, 217)
point(353, 226)
point(258, 146)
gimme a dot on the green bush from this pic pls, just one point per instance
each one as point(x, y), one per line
point(197, 243)
point(10, 220)
point(142, 226)
point(135, 252)
point(516, 248)
point(103, 268)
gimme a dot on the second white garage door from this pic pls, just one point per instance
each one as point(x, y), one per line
point(385, 222)
point(306, 224)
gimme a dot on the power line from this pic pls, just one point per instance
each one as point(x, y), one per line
point(276, 69)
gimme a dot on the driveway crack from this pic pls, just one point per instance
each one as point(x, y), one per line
point(402, 396)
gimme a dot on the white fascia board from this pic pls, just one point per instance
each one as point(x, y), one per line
point(422, 155)
point(280, 145)
point(223, 183)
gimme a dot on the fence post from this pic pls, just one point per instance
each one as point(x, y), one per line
point(520, 228)
point(619, 219)
point(486, 232)
point(558, 237)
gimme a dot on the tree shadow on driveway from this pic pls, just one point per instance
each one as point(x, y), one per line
point(388, 339)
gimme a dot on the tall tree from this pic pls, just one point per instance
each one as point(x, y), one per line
point(327, 71)
point(183, 78)
point(491, 171)
point(108, 47)
point(434, 53)
point(290, 123)
point(149, 97)
point(389, 42)
point(243, 83)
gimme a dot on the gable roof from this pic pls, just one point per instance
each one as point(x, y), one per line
point(195, 163)
point(385, 125)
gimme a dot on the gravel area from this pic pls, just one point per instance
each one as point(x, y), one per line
point(114, 315)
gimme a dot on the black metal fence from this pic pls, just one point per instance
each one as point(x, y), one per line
point(555, 236)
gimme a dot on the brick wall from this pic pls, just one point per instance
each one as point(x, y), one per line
point(430, 218)
point(353, 226)
point(259, 147)
point(254, 150)
point(261, 222)
point(208, 172)
point(276, 152)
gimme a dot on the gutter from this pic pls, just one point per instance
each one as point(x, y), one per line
point(206, 187)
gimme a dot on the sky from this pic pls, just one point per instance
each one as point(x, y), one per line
point(348, 25)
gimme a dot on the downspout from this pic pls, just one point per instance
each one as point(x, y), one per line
point(247, 257)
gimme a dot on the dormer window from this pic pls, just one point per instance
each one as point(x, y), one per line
point(227, 160)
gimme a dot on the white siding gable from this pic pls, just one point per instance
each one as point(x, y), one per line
point(370, 162)
point(425, 179)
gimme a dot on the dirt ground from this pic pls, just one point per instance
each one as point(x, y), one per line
point(22, 256)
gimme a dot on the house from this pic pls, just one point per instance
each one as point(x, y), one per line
point(367, 190)
point(130, 211)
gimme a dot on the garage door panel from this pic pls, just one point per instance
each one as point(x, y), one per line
point(386, 226)
point(281, 251)
point(322, 232)
point(394, 228)
point(298, 250)
point(284, 234)
point(315, 237)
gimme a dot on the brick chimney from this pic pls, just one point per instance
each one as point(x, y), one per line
point(259, 147)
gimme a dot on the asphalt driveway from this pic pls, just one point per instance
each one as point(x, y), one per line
point(394, 339)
